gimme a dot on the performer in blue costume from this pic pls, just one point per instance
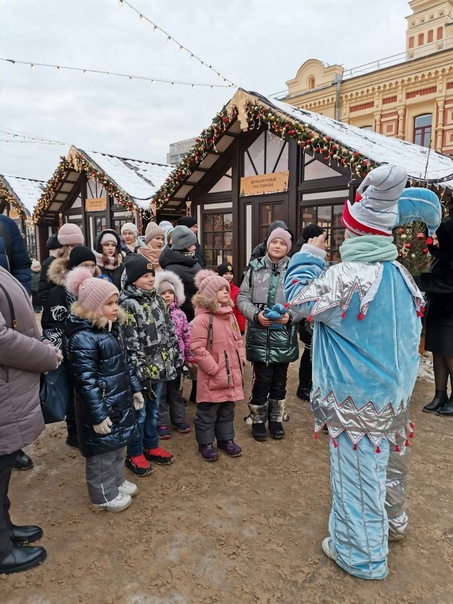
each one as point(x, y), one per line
point(366, 314)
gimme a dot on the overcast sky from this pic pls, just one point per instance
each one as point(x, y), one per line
point(257, 44)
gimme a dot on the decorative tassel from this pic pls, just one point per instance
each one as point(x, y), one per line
point(411, 425)
point(420, 313)
point(343, 314)
point(406, 444)
point(411, 435)
point(397, 449)
point(286, 305)
point(310, 318)
point(354, 448)
point(360, 316)
point(295, 281)
point(377, 449)
point(334, 443)
point(315, 436)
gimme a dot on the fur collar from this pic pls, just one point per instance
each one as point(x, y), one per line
point(208, 303)
point(59, 269)
point(175, 280)
point(94, 318)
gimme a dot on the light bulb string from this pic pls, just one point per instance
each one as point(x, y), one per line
point(85, 71)
point(170, 38)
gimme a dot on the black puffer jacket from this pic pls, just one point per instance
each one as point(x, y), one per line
point(438, 283)
point(104, 381)
point(186, 267)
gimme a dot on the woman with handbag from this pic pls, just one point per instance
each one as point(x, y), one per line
point(22, 358)
point(57, 391)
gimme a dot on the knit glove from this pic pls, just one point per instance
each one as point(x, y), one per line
point(275, 313)
point(104, 427)
point(139, 401)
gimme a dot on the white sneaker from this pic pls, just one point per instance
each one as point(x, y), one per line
point(120, 503)
point(128, 488)
point(326, 548)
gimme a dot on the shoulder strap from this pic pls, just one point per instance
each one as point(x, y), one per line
point(11, 307)
point(210, 332)
point(7, 241)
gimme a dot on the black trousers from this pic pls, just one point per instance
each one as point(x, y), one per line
point(214, 421)
point(6, 467)
point(305, 368)
point(269, 381)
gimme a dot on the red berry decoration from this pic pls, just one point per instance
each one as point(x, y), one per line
point(420, 236)
point(407, 246)
point(402, 231)
point(425, 250)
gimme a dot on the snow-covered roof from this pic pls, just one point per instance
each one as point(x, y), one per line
point(26, 191)
point(138, 179)
point(419, 162)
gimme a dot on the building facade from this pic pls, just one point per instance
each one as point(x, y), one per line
point(409, 96)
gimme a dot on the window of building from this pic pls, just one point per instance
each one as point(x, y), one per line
point(218, 238)
point(311, 83)
point(421, 38)
point(225, 183)
point(269, 212)
point(315, 169)
point(95, 189)
point(329, 218)
point(430, 35)
point(369, 128)
point(269, 153)
point(422, 130)
point(411, 42)
point(440, 33)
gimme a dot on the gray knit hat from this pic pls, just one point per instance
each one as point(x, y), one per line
point(182, 238)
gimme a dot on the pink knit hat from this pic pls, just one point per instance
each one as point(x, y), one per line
point(209, 283)
point(70, 234)
point(153, 230)
point(109, 237)
point(280, 233)
point(92, 292)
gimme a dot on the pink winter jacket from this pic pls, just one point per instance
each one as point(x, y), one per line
point(218, 352)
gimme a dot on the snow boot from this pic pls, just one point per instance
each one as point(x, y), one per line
point(258, 416)
point(440, 400)
point(277, 414)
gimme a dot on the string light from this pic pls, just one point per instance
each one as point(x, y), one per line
point(86, 71)
point(34, 139)
point(171, 39)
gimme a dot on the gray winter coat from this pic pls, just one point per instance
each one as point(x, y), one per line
point(262, 286)
point(22, 358)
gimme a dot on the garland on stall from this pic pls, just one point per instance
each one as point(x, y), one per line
point(6, 194)
point(258, 115)
point(77, 162)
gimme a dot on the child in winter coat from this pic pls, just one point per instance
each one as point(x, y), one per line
point(55, 313)
point(270, 345)
point(170, 287)
point(225, 270)
point(153, 349)
point(216, 344)
point(106, 388)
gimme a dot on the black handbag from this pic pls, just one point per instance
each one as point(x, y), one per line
point(55, 393)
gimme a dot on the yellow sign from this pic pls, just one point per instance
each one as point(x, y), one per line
point(264, 183)
point(13, 214)
point(95, 204)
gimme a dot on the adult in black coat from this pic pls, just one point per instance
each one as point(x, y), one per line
point(180, 259)
point(13, 253)
point(191, 223)
point(438, 287)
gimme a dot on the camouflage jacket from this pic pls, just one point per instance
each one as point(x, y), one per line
point(151, 341)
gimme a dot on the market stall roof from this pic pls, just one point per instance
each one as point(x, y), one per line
point(131, 182)
point(22, 193)
point(336, 142)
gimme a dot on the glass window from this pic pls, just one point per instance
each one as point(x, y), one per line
point(254, 157)
point(223, 184)
point(329, 218)
point(218, 238)
point(268, 213)
point(95, 189)
point(422, 130)
point(315, 168)
point(268, 154)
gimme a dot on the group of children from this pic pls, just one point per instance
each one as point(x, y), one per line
point(125, 351)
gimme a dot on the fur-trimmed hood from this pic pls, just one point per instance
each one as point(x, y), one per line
point(58, 271)
point(96, 319)
point(209, 304)
point(172, 278)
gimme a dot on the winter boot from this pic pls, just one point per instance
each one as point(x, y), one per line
point(440, 400)
point(230, 447)
point(258, 417)
point(447, 409)
point(276, 415)
point(208, 453)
